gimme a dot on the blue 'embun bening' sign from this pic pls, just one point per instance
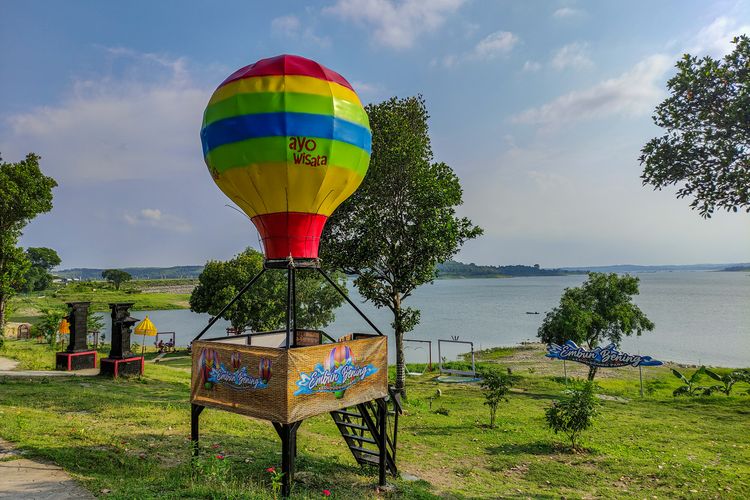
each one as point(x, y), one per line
point(602, 357)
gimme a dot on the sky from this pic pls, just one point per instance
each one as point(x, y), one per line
point(541, 109)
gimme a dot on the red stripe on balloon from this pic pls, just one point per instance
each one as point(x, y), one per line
point(293, 234)
point(287, 65)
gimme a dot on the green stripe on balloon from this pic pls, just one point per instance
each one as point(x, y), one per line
point(276, 150)
point(273, 102)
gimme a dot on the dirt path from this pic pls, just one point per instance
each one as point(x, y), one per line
point(21, 478)
point(7, 364)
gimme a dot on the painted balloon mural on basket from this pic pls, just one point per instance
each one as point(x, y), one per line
point(336, 374)
point(214, 372)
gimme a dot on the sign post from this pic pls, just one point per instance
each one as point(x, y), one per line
point(602, 357)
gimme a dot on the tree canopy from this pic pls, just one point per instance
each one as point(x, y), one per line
point(25, 192)
point(401, 222)
point(263, 308)
point(706, 145)
point(599, 310)
point(116, 276)
point(42, 261)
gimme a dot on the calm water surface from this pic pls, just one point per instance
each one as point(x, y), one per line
point(701, 317)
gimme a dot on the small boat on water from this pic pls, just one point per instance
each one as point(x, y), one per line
point(532, 312)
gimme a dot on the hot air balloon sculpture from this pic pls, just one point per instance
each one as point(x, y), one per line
point(264, 370)
point(288, 140)
point(339, 356)
point(236, 361)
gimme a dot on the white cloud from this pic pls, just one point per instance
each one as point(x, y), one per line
point(531, 66)
point(141, 124)
point(635, 92)
point(495, 44)
point(396, 25)
point(367, 90)
point(153, 217)
point(291, 27)
point(574, 55)
point(499, 43)
point(716, 38)
point(567, 13)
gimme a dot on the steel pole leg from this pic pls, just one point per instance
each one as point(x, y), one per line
point(195, 412)
point(382, 440)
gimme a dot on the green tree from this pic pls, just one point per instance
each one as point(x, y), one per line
point(496, 385)
point(706, 144)
point(25, 192)
point(573, 413)
point(263, 308)
point(600, 309)
point(42, 261)
point(116, 277)
point(401, 222)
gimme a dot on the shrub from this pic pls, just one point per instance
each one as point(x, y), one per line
point(690, 389)
point(727, 380)
point(496, 385)
point(574, 413)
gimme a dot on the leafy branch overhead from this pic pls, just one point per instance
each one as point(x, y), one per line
point(705, 149)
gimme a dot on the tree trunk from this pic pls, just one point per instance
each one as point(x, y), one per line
point(592, 373)
point(400, 361)
point(3, 299)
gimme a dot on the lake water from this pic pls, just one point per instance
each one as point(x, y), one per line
point(700, 317)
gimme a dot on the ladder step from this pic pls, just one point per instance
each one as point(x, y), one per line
point(353, 426)
point(365, 450)
point(347, 413)
point(364, 439)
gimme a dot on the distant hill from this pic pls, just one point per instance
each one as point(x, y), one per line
point(630, 268)
point(453, 269)
point(737, 268)
point(143, 273)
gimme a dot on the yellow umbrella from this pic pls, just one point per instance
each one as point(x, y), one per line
point(145, 327)
point(64, 329)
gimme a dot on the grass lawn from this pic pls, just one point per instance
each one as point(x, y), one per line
point(130, 439)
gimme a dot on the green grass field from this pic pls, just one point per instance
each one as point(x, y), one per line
point(148, 295)
point(131, 439)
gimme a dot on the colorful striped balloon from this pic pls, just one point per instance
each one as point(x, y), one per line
point(287, 140)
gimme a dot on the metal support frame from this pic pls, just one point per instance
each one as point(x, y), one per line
point(288, 432)
point(195, 412)
point(288, 435)
point(429, 350)
point(231, 302)
point(473, 371)
point(346, 297)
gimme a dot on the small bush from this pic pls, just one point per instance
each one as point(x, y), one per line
point(443, 411)
point(574, 413)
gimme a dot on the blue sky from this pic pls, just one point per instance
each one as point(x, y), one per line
point(541, 108)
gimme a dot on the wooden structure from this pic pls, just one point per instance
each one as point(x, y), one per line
point(288, 375)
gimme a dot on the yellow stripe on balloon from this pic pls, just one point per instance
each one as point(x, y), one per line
point(318, 190)
point(284, 83)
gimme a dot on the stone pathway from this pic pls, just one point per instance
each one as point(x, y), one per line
point(21, 478)
point(7, 369)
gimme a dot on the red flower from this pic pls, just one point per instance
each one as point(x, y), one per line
point(271, 470)
point(326, 493)
point(220, 457)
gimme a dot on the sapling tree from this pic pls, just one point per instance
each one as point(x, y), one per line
point(495, 386)
point(691, 388)
point(574, 412)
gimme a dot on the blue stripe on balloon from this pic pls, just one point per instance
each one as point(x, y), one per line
point(240, 128)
